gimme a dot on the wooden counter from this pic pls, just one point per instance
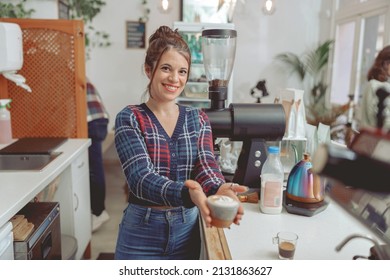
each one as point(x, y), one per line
point(214, 243)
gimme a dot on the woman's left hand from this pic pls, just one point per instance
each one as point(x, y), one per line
point(231, 190)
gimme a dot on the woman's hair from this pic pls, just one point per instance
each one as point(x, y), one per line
point(379, 70)
point(162, 40)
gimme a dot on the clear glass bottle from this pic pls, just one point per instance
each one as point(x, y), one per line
point(272, 176)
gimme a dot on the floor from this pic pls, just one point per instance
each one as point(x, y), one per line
point(104, 239)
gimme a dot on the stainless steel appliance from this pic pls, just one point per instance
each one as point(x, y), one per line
point(44, 243)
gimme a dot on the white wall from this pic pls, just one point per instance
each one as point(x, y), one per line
point(117, 71)
point(47, 9)
point(296, 26)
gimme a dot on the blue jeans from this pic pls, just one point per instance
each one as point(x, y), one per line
point(152, 234)
point(97, 131)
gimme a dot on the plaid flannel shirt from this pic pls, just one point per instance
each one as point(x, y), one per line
point(95, 107)
point(156, 165)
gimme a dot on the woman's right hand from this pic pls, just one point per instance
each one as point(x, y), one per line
point(199, 198)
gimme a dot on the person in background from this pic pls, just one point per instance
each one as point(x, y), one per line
point(378, 77)
point(97, 131)
point(166, 152)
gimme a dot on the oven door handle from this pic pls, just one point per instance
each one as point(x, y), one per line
point(46, 245)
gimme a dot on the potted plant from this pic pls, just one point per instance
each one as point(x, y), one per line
point(310, 69)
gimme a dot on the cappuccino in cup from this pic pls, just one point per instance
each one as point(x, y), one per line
point(223, 210)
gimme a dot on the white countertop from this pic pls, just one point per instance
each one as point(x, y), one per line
point(318, 235)
point(17, 188)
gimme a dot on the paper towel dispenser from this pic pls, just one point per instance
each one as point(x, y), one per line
point(11, 47)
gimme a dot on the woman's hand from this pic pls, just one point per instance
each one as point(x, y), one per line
point(199, 198)
point(231, 190)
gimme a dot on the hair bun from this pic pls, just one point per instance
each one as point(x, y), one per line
point(166, 33)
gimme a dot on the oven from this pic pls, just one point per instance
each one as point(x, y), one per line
point(44, 242)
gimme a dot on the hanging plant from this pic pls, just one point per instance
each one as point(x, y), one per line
point(146, 12)
point(87, 10)
point(9, 10)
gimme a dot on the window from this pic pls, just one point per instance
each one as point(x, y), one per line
point(360, 32)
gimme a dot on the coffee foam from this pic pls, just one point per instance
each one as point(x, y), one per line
point(222, 200)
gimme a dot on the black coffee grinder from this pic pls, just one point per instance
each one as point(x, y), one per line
point(252, 123)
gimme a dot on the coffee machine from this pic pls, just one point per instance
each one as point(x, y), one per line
point(251, 123)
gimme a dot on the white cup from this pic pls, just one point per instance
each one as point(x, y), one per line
point(223, 210)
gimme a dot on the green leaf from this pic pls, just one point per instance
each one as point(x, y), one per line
point(317, 59)
point(310, 66)
point(294, 63)
point(15, 10)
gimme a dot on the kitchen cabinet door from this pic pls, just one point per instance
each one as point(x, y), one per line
point(74, 198)
point(81, 203)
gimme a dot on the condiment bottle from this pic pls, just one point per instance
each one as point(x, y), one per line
point(5, 122)
point(272, 176)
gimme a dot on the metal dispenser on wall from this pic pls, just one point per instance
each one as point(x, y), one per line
point(252, 123)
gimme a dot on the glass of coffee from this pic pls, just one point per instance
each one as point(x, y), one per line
point(287, 242)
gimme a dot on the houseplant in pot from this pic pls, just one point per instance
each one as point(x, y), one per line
point(310, 69)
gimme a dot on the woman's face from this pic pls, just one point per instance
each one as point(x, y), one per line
point(170, 76)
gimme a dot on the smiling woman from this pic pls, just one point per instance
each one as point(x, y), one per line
point(167, 155)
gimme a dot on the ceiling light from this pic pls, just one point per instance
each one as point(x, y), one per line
point(269, 7)
point(165, 6)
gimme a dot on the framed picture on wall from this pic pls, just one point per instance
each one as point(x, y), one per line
point(135, 35)
point(218, 11)
point(63, 9)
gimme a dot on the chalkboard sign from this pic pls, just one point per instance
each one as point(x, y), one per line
point(135, 34)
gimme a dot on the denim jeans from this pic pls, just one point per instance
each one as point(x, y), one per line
point(150, 234)
point(97, 131)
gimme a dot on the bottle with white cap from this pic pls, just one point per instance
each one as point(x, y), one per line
point(272, 176)
point(5, 122)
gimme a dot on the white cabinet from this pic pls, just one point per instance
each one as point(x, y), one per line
point(81, 203)
point(6, 242)
point(74, 197)
point(72, 192)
